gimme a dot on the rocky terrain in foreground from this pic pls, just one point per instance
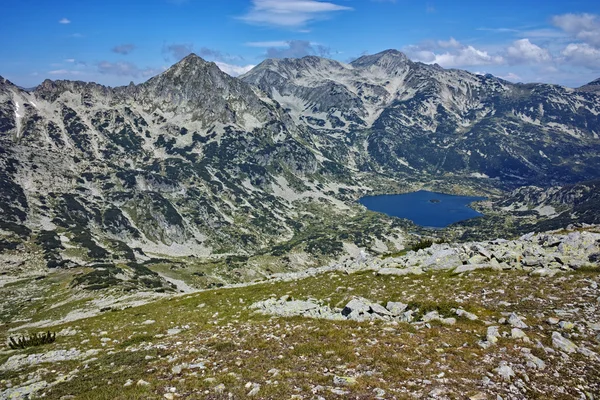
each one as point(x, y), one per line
point(481, 320)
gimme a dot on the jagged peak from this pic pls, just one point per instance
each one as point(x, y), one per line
point(390, 58)
point(4, 81)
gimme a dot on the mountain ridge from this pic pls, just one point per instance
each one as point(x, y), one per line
point(194, 162)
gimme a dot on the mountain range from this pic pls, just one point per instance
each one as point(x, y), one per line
point(196, 163)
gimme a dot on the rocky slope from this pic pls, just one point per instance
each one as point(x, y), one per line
point(387, 113)
point(191, 162)
point(475, 320)
point(195, 163)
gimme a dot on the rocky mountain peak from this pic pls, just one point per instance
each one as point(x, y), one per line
point(390, 60)
point(593, 87)
point(594, 83)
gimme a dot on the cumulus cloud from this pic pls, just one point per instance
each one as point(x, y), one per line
point(233, 70)
point(64, 21)
point(511, 77)
point(582, 54)
point(297, 49)
point(523, 51)
point(272, 43)
point(65, 72)
point(125, 69)
point(123, 48)
point(584, 27)
point(290, 13)
point(452, 43)
point(452, 54)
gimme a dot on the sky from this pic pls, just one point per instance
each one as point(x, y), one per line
point(116, 42)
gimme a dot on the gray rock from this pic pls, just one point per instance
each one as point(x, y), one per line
point(534, 362)
point(396, 308)
point(400, 272)
point(517, 333)
point(563, 343)
point(362, 309)
point(470, 267)
point(493, 333)
point(462, 313)
point(343, 380)
point(505, 371)
point(516, 321)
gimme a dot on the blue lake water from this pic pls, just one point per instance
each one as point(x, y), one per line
point(436, 210)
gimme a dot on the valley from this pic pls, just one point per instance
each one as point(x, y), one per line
point(161, 228)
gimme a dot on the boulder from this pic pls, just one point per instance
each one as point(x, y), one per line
point(563, 343)
point(396, 308)
point(361, 309)
point(516, 322)
point(400, 271)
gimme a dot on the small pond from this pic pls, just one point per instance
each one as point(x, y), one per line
point(436, 210)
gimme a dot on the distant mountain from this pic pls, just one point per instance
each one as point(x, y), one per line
point(593, 86)
point(194, 162)
point(386, 113)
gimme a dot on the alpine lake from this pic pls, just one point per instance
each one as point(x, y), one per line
point(424, 208)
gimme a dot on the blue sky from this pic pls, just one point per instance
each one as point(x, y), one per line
point(115, 42)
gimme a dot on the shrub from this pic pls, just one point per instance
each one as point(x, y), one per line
point(423, 244)
point(37, 339)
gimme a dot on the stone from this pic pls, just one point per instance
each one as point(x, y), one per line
point(400, 271)
point(431, 316)
point(344, 380)
point(128, 383)
point(517, 333)
point(361, 309)
point(505, 371)
point(563, 343)
point(470, 267)
point(142, 382)
point(493, 333)
point(553, 321)
point(587, 352)
point(448, 321)
point(567, 326)
point(516, 321)
point(544, 272)
point(220, 388)
point(534, 362)
point(462, 313)
point(254, 391)
point(396, 308)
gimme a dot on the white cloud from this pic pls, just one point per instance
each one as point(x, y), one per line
point(125, 69)
point(64, 21)
point(274, 43)
point(233, 70)
point(452, 54)
point(70, 60)
point(585, 27)
point(289, 13)
point(523, 51)
point(65, 72)
point(582, 54)
point(452, 43)
point(511, 77)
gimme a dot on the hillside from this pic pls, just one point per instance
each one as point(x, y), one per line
point(507, 320)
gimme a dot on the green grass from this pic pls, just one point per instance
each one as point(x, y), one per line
point(237, 346)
